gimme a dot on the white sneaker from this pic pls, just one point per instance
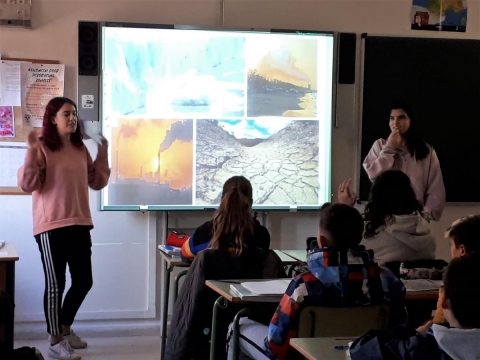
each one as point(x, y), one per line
point(75, 341)
point(63, 351)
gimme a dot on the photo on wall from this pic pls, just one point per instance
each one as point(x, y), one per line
point(278, 156)
point(203, 74)
point(282, 76)
point(152, 162)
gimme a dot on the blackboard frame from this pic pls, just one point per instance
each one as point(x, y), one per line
point(441, 78)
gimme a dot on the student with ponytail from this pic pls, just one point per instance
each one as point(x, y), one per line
point(235, 247)
point(234, 216)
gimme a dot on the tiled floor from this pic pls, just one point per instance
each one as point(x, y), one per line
point(120, 348)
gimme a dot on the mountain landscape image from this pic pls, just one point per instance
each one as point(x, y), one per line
point(281, 163)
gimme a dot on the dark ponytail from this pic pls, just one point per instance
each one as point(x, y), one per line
point(233, 222)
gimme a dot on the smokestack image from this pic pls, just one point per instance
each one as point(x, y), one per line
point(181, 130)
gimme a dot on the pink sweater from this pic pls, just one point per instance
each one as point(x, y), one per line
point(425, 175)
point(59, 181)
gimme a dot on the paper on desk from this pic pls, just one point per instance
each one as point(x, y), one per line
point(270, 287)
point(422, 284)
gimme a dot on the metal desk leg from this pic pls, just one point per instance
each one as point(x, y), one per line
point(166, 294)
point(220, 303)
point(10, 290)
point(175, 284)
point(236, 331)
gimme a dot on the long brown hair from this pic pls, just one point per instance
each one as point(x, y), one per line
point(233, 222)
point(49, 130)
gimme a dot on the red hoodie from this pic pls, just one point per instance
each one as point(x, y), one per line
point(59, 181)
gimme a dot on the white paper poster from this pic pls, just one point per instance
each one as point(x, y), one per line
point(40, 84)
point(12, 157)
point(10, 91)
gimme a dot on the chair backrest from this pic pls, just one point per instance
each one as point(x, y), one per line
point(355, 321)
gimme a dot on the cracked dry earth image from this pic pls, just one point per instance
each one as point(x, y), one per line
point(282, 168)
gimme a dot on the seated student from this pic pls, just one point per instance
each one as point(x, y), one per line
point(233, 254)
point(342, 273)
point(464, 238)
point(394, 227)
point(460, 306)
point(201, 238)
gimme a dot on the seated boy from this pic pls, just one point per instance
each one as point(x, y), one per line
point(464, 238)
point(461, 310)
point(342, 273)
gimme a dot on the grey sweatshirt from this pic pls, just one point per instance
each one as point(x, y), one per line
point(425, 175)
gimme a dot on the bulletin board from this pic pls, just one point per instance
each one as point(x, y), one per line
point(21, 131)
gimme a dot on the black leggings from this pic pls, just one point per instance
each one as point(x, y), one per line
point(69, 245)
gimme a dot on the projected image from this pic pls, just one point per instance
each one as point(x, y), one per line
point(279, 157)
point(152, 161)
point(175, 74)
point(282, 76)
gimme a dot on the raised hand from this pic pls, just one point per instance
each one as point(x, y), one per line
point(345, 195)
point(395, 139)
point(32, 139)
point(104, 141)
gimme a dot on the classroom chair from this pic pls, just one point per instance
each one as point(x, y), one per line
point(318, 321)
point(352, 322)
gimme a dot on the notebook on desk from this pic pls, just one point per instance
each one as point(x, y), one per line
point(422, 284)
point(271, 290)
point(170, 250)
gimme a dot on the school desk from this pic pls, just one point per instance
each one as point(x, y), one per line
point(169, 264)
point(300, 255)
point(8, 257)
point(320, 348)
point(222, 287)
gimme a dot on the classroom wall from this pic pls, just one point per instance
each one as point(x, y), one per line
point(127, 276)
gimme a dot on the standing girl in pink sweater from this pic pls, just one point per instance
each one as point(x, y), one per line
point(405, 151)
point(58, 170)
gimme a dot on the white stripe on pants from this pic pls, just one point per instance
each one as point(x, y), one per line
point(53, 308)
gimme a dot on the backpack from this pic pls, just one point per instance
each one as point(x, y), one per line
point(23, 353)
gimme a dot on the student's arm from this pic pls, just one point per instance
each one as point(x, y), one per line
point(98, 170)
point(273, 267)
point(197, 242)
point(435, 191)
point(31, 175)
point(285, 321)
point(190, 250)
point(379, 160)
point(439, 318)
point(263, 237)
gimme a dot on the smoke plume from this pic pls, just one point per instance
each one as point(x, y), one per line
point(280, 65)
point(180, 130)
